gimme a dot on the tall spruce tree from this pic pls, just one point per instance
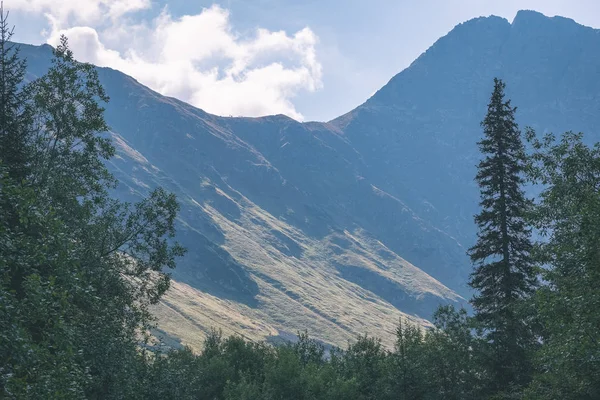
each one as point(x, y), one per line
point(504, 274)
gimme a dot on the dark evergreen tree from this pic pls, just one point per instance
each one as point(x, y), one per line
point(504, 274)
point(14, 115)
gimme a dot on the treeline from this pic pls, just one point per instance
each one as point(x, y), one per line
point(78, 271)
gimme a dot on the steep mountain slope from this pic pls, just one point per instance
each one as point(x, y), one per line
point(418, 134)
point(277, 217)
point(271, 234)
point(342, 227)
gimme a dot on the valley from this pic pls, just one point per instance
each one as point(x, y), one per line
point(342, 227)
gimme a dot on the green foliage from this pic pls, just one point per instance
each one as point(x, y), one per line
point(453, 355)
point(568, 215)
point(77, 268)
point(365, 361)
point(408, 363)
point(504, 275)
point(424, 365)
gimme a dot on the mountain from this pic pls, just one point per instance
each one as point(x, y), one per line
point(418, 133)
point(343, 227)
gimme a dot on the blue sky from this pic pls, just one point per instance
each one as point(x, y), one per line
point(313, 60)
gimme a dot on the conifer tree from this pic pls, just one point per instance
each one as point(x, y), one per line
point(504, 274)
point(13, 107)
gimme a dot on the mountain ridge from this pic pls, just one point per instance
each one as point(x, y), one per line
point(341, 227)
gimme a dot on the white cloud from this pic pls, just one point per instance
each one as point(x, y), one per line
point(196, 58)
point(79, 11)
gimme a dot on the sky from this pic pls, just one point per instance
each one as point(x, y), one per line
point(308, 59)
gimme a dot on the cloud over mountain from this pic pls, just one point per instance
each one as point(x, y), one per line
point(199, 58)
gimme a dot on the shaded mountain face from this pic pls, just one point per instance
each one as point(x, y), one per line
point(342, 227)
point(418, 134)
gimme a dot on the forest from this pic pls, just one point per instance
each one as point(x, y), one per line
point(79, 271)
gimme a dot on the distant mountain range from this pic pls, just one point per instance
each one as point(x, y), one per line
point(341, 228)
